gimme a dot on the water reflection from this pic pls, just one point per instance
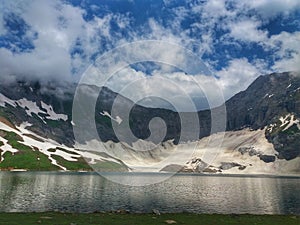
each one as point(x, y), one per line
point(88, 192)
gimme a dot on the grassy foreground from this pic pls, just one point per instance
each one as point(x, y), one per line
point(142, 219)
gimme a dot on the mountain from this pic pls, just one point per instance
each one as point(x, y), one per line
point(262, 130)
point(274, 102)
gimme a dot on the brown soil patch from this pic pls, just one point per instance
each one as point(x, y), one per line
point(6, 122)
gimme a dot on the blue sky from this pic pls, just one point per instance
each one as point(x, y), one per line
point(237, 40)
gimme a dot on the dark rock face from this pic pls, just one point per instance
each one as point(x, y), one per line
point(264, 101)
point(267, 158)
point(250, 150)
point(267, 99)
point(140, 117)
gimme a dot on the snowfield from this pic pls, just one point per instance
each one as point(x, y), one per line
point(241, 152)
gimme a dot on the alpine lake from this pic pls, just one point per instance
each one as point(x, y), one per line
point(87, 192)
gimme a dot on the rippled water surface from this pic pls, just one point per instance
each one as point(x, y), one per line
point(89, 192)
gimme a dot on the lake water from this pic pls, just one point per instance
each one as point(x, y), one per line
point(89, 192)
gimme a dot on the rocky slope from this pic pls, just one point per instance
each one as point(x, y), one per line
point(271, 101)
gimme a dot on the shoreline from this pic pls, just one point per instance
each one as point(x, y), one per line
point(112, 218)
point(258, 175)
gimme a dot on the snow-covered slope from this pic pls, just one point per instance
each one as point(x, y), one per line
point(48, 147)
point(242, 152)
point(247, 152)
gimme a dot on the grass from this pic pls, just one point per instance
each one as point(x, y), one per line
point(26, 158)
point(81, 164)
point(50, 218)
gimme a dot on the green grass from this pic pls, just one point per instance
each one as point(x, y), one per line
point(50, 218)
point(26, 158)
point(81, 164)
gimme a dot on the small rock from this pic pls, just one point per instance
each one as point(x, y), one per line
point(156, 212)
point(242, 167)
point(170, 221)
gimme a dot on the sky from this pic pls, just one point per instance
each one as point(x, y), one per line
point(237, 40)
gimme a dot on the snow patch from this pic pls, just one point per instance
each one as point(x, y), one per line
point(31, 107)
point(117, 119)
point(52, 114)
point(4, 100)
point(271, 127)
point(288, 121)
point(6, 148)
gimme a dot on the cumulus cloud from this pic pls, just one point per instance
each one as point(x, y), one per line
point(248, 31)
point(57, 26)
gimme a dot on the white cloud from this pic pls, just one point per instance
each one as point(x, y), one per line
point(59, 27)
point(269, 9)
point(213, 9)
point(247, 31)
point(288, 51)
